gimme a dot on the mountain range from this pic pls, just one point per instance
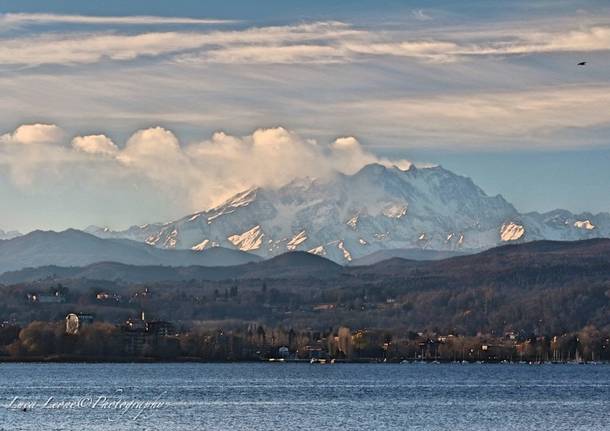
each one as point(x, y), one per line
point(376, 210)
point(74, 248)
point(292, 265)
point(537, 262)
point(540, 287)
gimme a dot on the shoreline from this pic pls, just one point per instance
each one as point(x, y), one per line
point(187, 360)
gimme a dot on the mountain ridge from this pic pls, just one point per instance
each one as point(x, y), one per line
point(347, 217)
point(585, 257)
point(4, 235)
point(299, 265)
point(76, 248)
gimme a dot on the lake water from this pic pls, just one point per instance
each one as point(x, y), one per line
point(301, 396)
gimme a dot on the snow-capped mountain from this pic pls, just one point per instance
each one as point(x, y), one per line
point(350, 216)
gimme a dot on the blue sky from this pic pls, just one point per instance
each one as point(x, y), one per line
point(110, 110)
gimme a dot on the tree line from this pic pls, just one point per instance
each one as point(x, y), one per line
point(103, 341)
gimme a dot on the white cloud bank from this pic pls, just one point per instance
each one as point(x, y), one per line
point(204, 172)
point(29, 134)
point(32, 149)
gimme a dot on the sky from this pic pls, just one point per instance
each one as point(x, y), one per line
point(117, 113)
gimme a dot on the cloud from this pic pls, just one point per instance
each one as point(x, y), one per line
point(221, 46)
point(95, 144)
point(150, 143)
point(379, 96)
point(197, 175)
point(45, 18)
point(93, 48)
point(31, 134)
point(420, 15)
point(428, 50)
point(311, 54)
point(32, 150)
point(596, 38)
point(527, 117)
point(155, 153)
point(268, 157)
point(314, 43)
point(351, 156)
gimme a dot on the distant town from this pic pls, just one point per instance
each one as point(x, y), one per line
point(81, 336)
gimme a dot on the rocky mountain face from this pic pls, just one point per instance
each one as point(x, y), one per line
point(350, 216)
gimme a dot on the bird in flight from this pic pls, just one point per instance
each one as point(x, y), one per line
point(582, 63)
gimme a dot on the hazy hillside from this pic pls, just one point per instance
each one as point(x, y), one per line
point(537, 261)
point(409, 254)
point(76, 248)
point(295, 265)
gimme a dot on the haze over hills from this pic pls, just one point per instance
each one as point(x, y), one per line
point(405, 253)
point(538, 287)
point(291, 265)
point(350, 216)
point(543, 287)
point(513, 265)
point(77, 248)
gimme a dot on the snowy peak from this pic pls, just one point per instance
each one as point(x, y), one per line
point(511, 231)
point(250, 240)
point(346, 217)
point(584, 224)
point(240, 200)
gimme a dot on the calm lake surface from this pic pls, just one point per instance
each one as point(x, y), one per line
point(302, 396)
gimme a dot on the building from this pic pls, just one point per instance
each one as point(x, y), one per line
point(139, 333)
point(134, 339)
point(324, 307)
point(159, 328)
point(135, 325)
point(77, 321)
point(107, 296)
point(46, 298)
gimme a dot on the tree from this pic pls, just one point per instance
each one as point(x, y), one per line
point(9, 334)
point(590, 342)
point(39, 338)
point(345, 341)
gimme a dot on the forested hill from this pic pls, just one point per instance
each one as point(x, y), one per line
point(543, 287)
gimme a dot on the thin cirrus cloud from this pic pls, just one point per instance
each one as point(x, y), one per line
point(479, 120)
point(596, 38)
point(205, 172)
point(311, 54)
point(72, 48)
point(317, 42)
point(93, 48)
point(46, 18)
